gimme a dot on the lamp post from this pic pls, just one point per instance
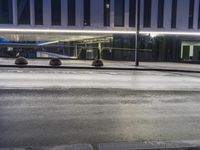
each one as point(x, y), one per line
point(137, 20)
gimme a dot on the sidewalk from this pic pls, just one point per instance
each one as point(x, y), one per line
point(121, 65)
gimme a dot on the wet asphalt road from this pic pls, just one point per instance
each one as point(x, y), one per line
point(53, 107)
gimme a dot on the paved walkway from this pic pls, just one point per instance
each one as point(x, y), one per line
point(110, 64)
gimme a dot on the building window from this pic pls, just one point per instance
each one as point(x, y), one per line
point(147, 13)
point(119, 13)
point(6, 12)
point(191, 14)
point(71, 12)
point(56, 12)
point(199, 16)
point(23, 11)
point(132, 12)
point(38, 12)
point(160, 13)
point(174, 14)
point(86, 12)
point(106, 12)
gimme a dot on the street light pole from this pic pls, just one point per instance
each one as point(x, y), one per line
point(137, 20)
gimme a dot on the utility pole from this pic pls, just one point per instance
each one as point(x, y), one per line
point(137, 20)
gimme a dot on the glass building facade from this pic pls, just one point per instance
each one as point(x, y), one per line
point(168, 27)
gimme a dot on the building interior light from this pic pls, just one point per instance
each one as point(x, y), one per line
point(7, 30)
point(107, 6)
point(157, 33)
point(61, 31)
point(47, 43)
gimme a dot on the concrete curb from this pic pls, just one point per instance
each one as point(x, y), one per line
point(159, 145)
point(170, 145)
point(61, 147)
point(101, 68)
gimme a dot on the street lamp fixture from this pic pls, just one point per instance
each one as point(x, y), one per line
point(107, 6)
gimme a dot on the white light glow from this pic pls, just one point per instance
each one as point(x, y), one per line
point(47, 43)
point(156, 33)
point(65, 31)
point(61, 31)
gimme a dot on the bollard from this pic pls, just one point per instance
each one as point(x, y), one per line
point(55, 62)
point(97, 63)
point(21, 61)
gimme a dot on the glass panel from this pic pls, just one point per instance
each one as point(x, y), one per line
point(174, 13)
point(186, 52)
point(71, 12)
point(119, 13)
point(191, 14)
point(147, 13)
point(196, 55)
point(6, 12)
point(86, 12)
point(56, 12)
point(160, 13)
point(199, 16)
point(38, 12)
point(132, 12)
point(106, 12)
point(23, 11)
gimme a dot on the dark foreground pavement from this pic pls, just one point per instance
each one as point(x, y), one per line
point(50, 107)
